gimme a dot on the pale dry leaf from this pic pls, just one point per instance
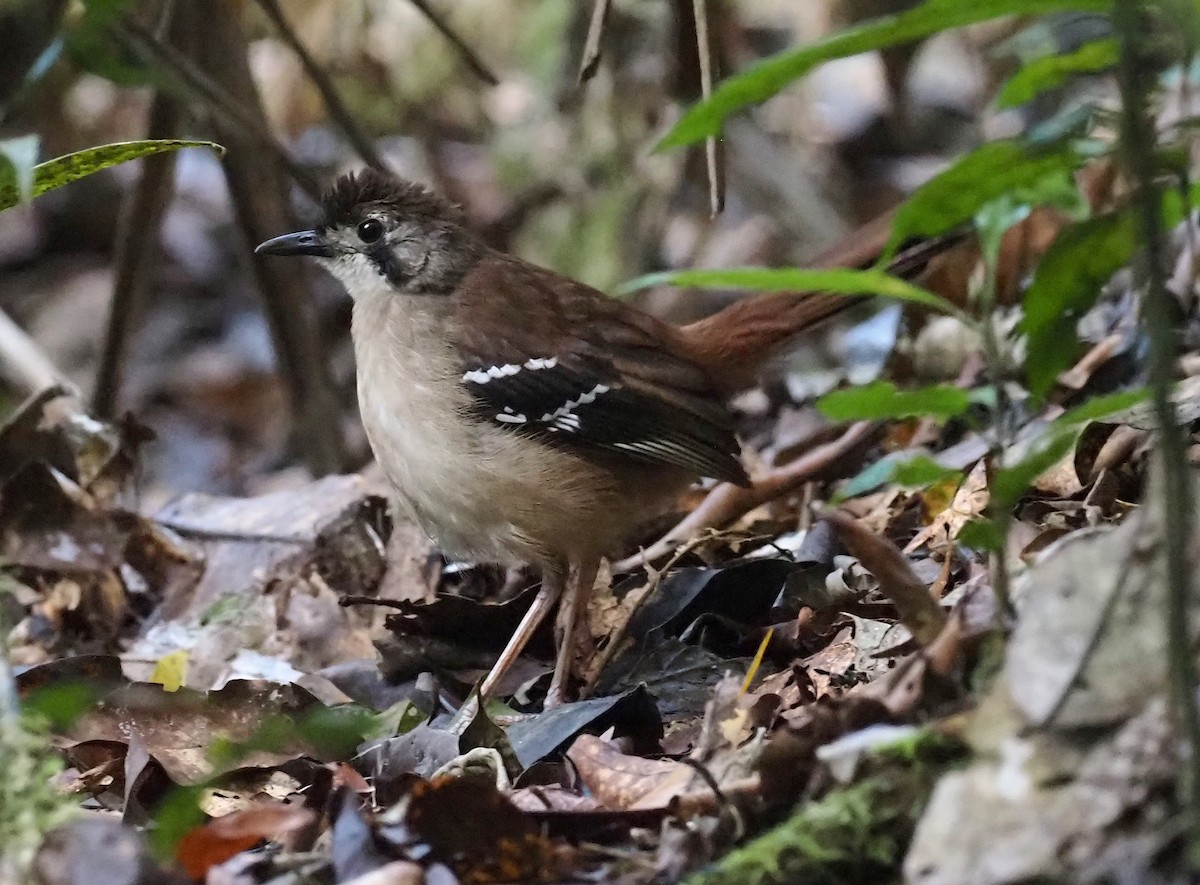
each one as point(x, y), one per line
point(970, 501)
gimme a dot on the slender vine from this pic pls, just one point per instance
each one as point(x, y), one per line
point(1137, 77)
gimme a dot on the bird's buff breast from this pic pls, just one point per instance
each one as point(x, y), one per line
point(478, 490)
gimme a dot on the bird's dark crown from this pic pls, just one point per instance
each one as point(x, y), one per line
point(357, 194)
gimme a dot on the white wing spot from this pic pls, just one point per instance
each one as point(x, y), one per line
point(572, 404)
point(483, 376)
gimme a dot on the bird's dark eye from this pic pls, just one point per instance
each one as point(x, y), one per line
point(370, 230)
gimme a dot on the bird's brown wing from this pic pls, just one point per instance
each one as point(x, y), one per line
point(555, 359)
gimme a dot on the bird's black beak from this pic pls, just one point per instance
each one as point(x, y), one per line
point(304, 242)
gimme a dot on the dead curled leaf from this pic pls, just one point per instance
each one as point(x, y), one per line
point(622, 782)
point(220, 839)
point(501, 844)
point(918, 610)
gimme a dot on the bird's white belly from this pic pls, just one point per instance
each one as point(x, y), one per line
point(443, 480)
point(482, 491)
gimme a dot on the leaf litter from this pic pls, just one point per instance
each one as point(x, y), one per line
point(278, 686)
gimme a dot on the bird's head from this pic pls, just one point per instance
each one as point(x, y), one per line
point(380, 233)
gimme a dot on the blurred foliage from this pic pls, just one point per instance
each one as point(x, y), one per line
point(955, 196)
point(767, 77)
point(30, 804)
point(1055, 441)
point(880, 400)
point(1067, 282)
point(1052, 71)
point(855, 833)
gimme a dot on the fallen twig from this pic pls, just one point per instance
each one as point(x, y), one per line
point(589, 62)
point(713, 154)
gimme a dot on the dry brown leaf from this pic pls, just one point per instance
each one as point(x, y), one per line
point(970, 501)
point(220, 839)
point(917, 608)
point(623, 782)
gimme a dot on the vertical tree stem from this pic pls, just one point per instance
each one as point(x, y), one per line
point(1137, 78)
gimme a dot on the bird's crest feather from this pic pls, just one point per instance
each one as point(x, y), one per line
point(357, 193)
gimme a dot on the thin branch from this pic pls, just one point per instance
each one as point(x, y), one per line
point(142, 42)
point(23, 364)
point(329, 94)
point(260, 202)
point(1137, 78)
point(713, 154)
point(468, 55)
point(589, 61)
point(136, 251)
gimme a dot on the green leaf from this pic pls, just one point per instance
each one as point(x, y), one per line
point(1010, 483)
point(334, 732)
point(1051, 72)
point(1100, 407)
point(91, 45)
point(837, 281)
point(71, 167)
point(922, 471)
point(174, 816)
point(880, 399)
point(400, 718)
point(1065, 285)
point(981, 534)
point(914, 471)
point(61, 704)
point(868, 479)
point(18, 157)
point(1056, 440)
point(985, 174)
point(762, 80)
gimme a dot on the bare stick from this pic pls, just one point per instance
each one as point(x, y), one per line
point(329, 94)
point(580, 583)
point(260, 201)
point(589, 62)
point(468, 55)
point(713, 154)
point(1137, 77)
point(137, 249)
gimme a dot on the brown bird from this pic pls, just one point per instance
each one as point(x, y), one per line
point(521, 416)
